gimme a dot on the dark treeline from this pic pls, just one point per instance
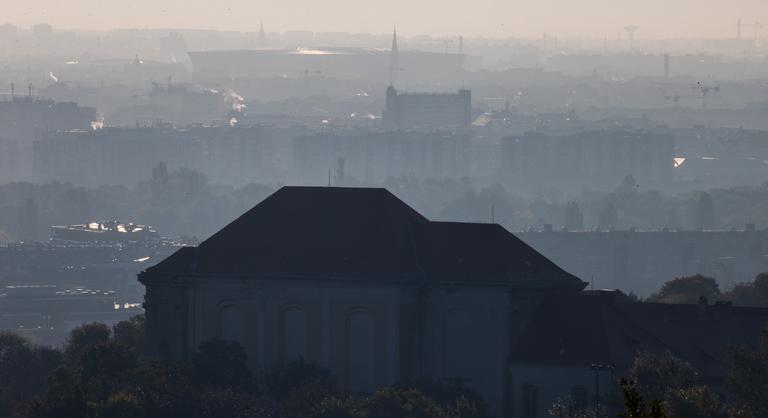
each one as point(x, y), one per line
point(692, 289)
point(101, 372)
point(184, 203)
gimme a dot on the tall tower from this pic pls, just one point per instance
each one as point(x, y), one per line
point(262, 35)
point(461, 44)
point(738, 29)
point(394, 63)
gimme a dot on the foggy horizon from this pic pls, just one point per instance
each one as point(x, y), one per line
point(520, 209)
point(592, 19)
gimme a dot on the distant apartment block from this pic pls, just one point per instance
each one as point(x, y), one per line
point(126, 156)
point(23, 119)
point(597, 160)
point(378, 156)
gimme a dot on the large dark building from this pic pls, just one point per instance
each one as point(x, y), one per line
point(357, 281)
point(431, 111)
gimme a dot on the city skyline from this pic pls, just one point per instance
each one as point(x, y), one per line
point(588, 19)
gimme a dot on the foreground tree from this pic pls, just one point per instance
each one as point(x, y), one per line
point(400, 403)
point(24, 370)
point(298, 387)
point(130, 333)
point(103, 374)
point(83, 337)
point(687, 290)
point(754, 293)
point(565, 408)
point(694, 402)
point(220, 364)
point(675, 383)
point(634, 404)
point(748, 378)
point(654, 375)
point(451, 395)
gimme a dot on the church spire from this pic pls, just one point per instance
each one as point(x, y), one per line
point(262, 35)
point(394, 63)
point(394, 41)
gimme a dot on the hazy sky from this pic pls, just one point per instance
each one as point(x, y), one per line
point(497, 18)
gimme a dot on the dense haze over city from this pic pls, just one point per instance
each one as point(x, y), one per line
point(345, 209)
point(486, 18)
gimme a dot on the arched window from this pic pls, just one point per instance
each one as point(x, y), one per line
point(294, 333)
point(530, 400)
point(361, 352)
point(230, 326)
point(459, 345)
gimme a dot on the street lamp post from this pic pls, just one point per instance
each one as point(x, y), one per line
point(597, 368)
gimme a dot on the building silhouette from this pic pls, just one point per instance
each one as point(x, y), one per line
point(355, 280)
point(431, 111)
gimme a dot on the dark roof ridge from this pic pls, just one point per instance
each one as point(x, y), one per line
point(366, 233)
